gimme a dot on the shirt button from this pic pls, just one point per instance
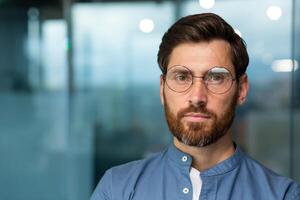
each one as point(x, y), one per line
point(185, 190)
point(184, 158)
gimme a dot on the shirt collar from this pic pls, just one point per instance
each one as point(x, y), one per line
point(184, 159)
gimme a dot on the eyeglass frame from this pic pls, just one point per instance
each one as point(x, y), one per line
point(201, 77)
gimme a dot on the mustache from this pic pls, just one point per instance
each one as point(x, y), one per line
point(194, 109)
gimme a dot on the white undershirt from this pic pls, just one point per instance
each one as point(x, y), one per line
point(196, 183)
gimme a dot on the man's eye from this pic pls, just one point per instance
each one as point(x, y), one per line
point(181, 77)
point(215, 78)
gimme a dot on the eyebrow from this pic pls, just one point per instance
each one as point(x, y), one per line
point(188, 70)
point(182, 71)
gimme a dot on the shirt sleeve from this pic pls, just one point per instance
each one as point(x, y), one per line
point(103, 189)
point(293, 192)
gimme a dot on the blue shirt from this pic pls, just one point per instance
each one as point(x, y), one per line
point(165, 176)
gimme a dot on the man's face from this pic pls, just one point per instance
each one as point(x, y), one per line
point(198, 117)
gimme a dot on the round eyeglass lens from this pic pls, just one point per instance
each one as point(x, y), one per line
point(179, 78)
point(218, 80)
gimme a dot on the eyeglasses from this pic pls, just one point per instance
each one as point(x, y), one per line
point(217, 80)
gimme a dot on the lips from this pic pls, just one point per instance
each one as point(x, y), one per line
point(196, 117)
point(200, 115)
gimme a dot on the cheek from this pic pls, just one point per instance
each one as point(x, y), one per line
point(220, 105)
point(175, 102)
point(223, 110)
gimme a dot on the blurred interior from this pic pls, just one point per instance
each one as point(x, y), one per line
point(79, 88)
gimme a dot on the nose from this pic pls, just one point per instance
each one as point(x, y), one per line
point(198, 93)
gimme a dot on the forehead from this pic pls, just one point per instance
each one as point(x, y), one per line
point(199, 57)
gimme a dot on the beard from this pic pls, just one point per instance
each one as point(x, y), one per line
point(200, 134)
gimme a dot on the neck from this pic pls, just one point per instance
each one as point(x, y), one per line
point(208, 156)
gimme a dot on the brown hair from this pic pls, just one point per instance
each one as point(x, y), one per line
point(203, 27)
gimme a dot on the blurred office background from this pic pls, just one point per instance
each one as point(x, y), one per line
point(79, 88)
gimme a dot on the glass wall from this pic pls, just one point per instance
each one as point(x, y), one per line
point(56, 143)
point(115, 64)
point(295, 111)
point(34, 142)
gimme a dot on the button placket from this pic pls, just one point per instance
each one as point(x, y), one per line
point(185, 185)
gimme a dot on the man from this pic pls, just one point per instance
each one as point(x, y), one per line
point(203, 63)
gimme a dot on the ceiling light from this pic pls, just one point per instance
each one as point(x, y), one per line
point(146, 25)
point(207, 4)
point(274, 12)
point(284, 65)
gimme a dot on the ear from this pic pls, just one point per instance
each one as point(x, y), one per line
point(243, 89)
point(162, 85)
